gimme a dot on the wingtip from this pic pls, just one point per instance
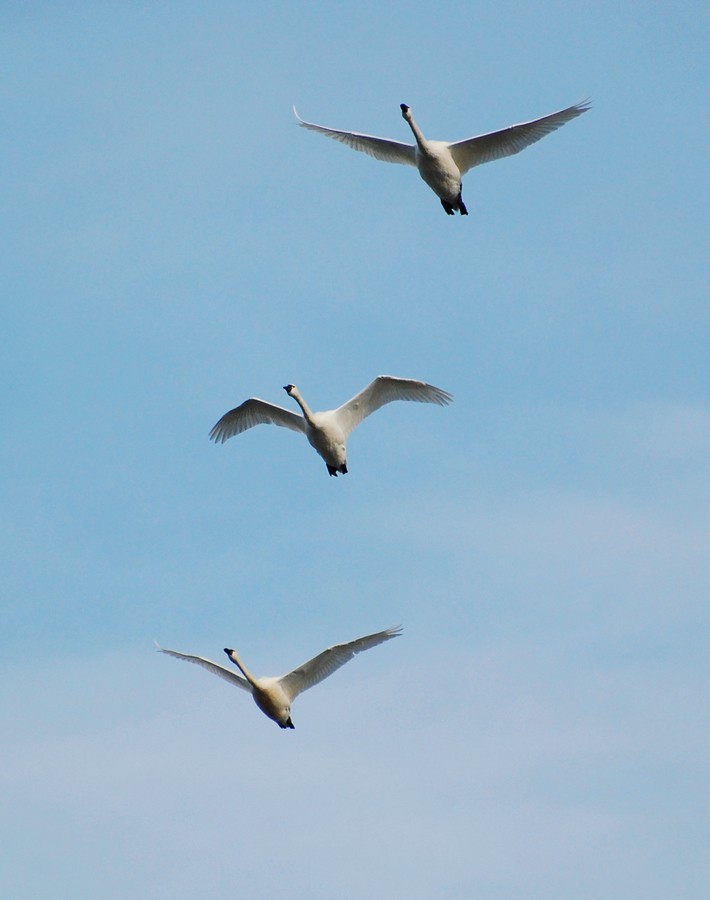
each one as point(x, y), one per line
point(439, 395)
point(295, 112)
point(218, 434)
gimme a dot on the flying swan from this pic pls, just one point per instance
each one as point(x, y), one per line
point(273, 695)
point(327, 431)
point(441, 163)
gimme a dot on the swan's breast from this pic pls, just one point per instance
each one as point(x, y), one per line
point(271, 699)
point(437, 167)
point(326, 435)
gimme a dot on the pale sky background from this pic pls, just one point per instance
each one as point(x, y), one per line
point(172, 243)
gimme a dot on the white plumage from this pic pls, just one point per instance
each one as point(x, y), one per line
point(327, 431)
point(442, 163)
point(274, 695)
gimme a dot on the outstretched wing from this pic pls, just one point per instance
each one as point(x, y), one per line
point(487, 147)
point(385, 389)
point(254, 412)
point(227, 674)
point(329, 660)
point(381, 148)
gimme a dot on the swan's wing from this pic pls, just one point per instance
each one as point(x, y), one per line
point(254, 412)
point(385, 389)
point(329, 660)
point(487, 147)
point(227, 674)
point(380, 148)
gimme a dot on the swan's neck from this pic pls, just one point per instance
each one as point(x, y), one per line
point(240, 665)
point(417, 132)
point(308, 415)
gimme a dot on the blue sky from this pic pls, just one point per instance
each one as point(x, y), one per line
point(172, 243)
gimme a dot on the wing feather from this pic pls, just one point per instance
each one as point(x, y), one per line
point(254, 412)
point(214, 667)
point(327, 662)
point(380, 148)
point(497, 144)
point(384, 389)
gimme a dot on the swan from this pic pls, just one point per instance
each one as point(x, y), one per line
point(327, 431)
point(274, 695)
point(441, 163)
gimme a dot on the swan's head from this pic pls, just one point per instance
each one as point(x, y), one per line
point(290, 389)
point(405, 110)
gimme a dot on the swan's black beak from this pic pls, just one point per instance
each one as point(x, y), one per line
point(288, 388)
point(227, 651)
point(404, 108)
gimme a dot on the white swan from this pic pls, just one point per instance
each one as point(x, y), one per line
point(441, 163)
point(327, 431)
point(274, 696)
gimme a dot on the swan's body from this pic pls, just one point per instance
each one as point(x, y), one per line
point(274, 695)
point(327, 431)
point(442, 163)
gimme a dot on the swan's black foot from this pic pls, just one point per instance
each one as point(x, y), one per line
point(448, 208)
point(289, 723)
point(332, 470)
point(462, 208)
point(343, 469)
